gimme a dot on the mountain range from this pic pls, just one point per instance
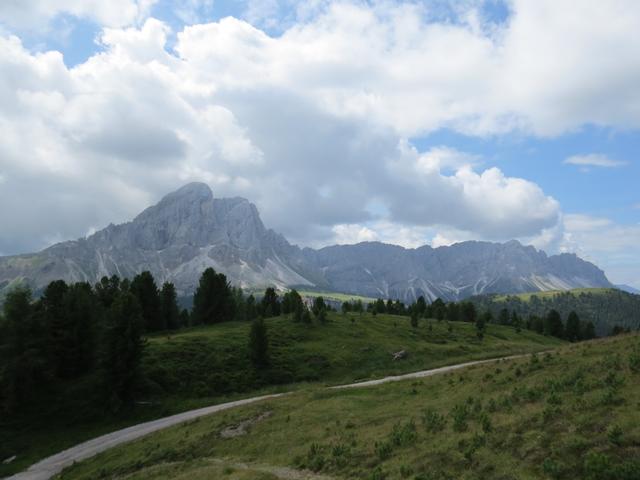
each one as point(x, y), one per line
point(190, 230)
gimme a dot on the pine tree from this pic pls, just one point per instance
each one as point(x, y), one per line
point(553, 324)
point(481, 324)
point(421, 306)
point(453, 312)
point(503, 317)
point(107, 289)
point(414, 318)
point(259, 344)
point(23, 354)
point(572, 330)
point(318, 306)
point(270, 303)
point(213, 299)
point(81, 340)
point(589, 331)
point(251, 309)
point(468, 312)
point(169, 311)
point(122, 350)
point(144, 288)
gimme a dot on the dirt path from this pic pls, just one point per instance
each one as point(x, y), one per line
point(50, 466)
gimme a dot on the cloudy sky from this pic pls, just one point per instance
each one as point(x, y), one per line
point(407, 122)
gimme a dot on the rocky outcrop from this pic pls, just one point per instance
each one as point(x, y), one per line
point(190, 230)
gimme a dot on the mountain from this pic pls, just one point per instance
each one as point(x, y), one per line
point(628, 289)
point(190, 230)
point(186, 232)
point(458, 271)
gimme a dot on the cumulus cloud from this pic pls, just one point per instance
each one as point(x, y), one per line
point(594, 160)
point(313, 125)
point(612, 246)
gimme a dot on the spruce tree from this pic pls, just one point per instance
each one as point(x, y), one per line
point(23, 353)
point(553, 324)
point(213, 299)
point(414, 318)
point(122, 351)
point(270, 303)
point(144, 288)
point(259, 344)
point(572, 330)
point(169, 311)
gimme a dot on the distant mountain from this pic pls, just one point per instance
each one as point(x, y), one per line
point(458, 271)
point(190, 230)
point(628, 289)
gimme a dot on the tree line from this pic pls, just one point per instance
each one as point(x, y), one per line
point(550, 323)
point(75, 331)
point(609, 310)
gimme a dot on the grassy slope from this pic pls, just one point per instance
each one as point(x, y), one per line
point(525, 297)
point(335, 296)
point(571, 414)
point(209, 361)
point(208, 365)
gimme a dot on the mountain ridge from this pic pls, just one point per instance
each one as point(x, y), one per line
point(189, 230)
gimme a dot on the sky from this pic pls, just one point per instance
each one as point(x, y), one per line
point(424, 122)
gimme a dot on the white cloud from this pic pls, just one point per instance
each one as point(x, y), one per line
point(387, 63)
point(594, 160)
point(353, 233)
point(192, 11)
point(312, 125)
point(613, 247)
point(34, 14)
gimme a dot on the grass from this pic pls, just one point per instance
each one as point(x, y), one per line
point(525, 297)
point(215, 360)
point(337, 297)
point(570, 414)
point(207, 365)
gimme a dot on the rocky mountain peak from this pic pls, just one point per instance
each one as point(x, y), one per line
point(189, 230)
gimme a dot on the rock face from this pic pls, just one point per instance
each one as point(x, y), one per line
point(189, 230)
point(459, 271)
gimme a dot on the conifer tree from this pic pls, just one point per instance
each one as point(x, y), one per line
point(144, 288)
point(169, 311)
point(122, 351)
point(259, 344)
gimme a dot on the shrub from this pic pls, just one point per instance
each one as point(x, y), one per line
point(551, 467)
point(597, 466)
point(406, 471)
point(315, 458)
point(634, 360)
point(378, 474)
point(403, 434)
point(433, 421)
point(485, 421)
point(383, 450)
point(460, 415)
point(614, 434)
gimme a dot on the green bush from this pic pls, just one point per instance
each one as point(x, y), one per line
point(460, 416)
point(433, 421)
point(597, 466)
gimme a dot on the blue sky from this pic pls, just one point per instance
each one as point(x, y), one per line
point(364, 118)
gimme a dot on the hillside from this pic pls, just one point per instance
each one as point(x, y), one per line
point(207, 365)
point(189, 230)
point(570, 414)
point(605, 307)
